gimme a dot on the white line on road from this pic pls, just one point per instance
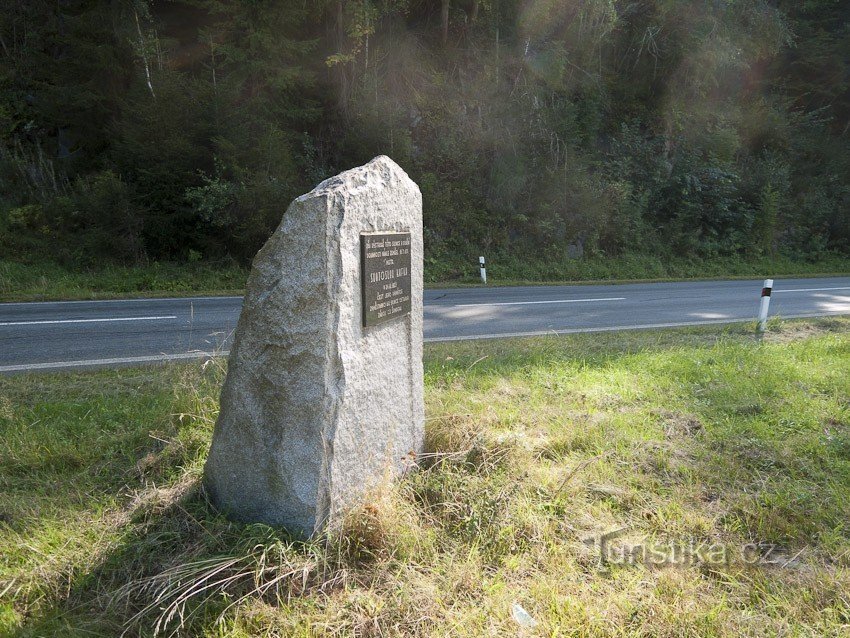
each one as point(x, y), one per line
point(529, 303)
point(55, 365)
point(104, 320)
point(811, 289)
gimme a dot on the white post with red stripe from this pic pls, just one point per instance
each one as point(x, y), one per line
point(765, 304)
point(483, 270)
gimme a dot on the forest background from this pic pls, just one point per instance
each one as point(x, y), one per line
point(658, 137)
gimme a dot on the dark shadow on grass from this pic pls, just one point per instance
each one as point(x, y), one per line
point(155, 535)
point(180, 568)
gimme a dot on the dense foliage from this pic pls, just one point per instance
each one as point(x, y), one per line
point(139, 130)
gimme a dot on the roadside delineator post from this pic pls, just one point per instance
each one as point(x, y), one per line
point(483, 270)
point(765, 304)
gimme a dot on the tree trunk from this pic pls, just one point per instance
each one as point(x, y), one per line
point(444, 17)
point(473, 13)
point(342, 74)
point(5, 48)
point(144, 55)
point(212, 64)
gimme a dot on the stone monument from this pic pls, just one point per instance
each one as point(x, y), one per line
point(324, 391)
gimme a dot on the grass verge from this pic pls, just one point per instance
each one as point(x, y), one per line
point(524, 270)
point(47, 281)
point(678, 437)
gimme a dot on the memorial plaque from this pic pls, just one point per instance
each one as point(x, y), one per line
point(385, 270)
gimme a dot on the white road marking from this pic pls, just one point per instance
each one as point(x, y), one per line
point(216, 297)
point(104, 320)
point(54, 365)
point(811, 289)
point(527, 303)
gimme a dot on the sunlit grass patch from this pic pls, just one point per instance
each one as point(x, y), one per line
point(535, 448)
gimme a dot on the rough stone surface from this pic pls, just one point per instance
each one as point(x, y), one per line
point(316, 409)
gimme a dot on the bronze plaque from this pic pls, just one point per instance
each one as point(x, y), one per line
point(385, 276)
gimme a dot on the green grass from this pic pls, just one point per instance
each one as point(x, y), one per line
point(48, 281)
point(508, 270)
point(534, 445)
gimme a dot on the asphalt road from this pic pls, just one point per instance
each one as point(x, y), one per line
point(70, 334)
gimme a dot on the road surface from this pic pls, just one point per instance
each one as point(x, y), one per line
point(79, 334)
